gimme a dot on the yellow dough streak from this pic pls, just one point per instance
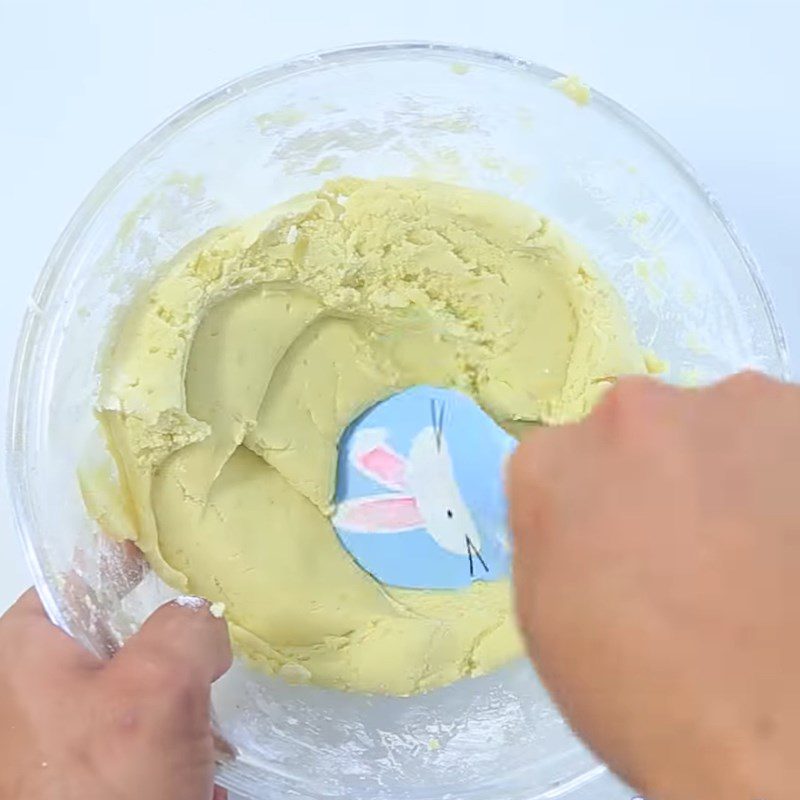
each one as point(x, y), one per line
point(231, 377)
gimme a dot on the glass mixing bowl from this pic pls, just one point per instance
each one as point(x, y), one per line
point(476, 118)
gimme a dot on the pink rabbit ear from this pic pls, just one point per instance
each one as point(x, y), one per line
point(386, 513)
point(377, 460)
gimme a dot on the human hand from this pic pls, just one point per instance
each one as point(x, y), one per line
point(657, 572)
point(73, 727)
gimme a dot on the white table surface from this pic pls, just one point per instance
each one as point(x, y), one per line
point(85, 79)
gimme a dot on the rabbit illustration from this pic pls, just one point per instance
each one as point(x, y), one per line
point(424, 492)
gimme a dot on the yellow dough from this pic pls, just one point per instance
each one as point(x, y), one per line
point(231, 377)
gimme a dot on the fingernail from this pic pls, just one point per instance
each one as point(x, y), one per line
point(189, 601)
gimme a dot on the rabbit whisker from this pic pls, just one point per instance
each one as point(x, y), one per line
point(437, 423)
point(470, 549)
point(435, 426)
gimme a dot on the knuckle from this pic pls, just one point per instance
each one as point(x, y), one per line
point(25, 644)
point(522, 459)
point(633, 405)
point(535, 493)
point(749, 381)
point(164, 676)
point(532, 465)
point(150, 672)
point(180, 685)
point(634, 392)
point(532, 600)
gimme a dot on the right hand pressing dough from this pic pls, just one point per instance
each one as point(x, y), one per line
point(231, 377)
point(657, 570)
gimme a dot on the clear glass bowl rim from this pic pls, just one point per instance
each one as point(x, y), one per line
point(28, 384)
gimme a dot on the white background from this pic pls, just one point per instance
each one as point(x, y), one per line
point(82, 80)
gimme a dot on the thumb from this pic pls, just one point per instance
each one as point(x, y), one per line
point(529, 486)
point(183, 635)
point(527, 476)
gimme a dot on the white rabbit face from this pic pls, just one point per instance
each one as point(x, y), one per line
point(432, 482)
point(400, 500)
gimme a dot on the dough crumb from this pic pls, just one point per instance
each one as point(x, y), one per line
point(294, 673)
point(654, 364)
point(281, 118)
point(217, 610)
point(573, 87)
point(327, 164)
point(434, 744)
point(459, 69)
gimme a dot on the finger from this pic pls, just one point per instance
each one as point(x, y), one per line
point(86, 612)
point(530, 502)
point(224, 749)
point(29, 605)
point(220, 793)
point(123, 566)
point(32, 637)
point(635, 407)
point(538, 483)
point(28, 616)
point(185, 637)
point(531, 472)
